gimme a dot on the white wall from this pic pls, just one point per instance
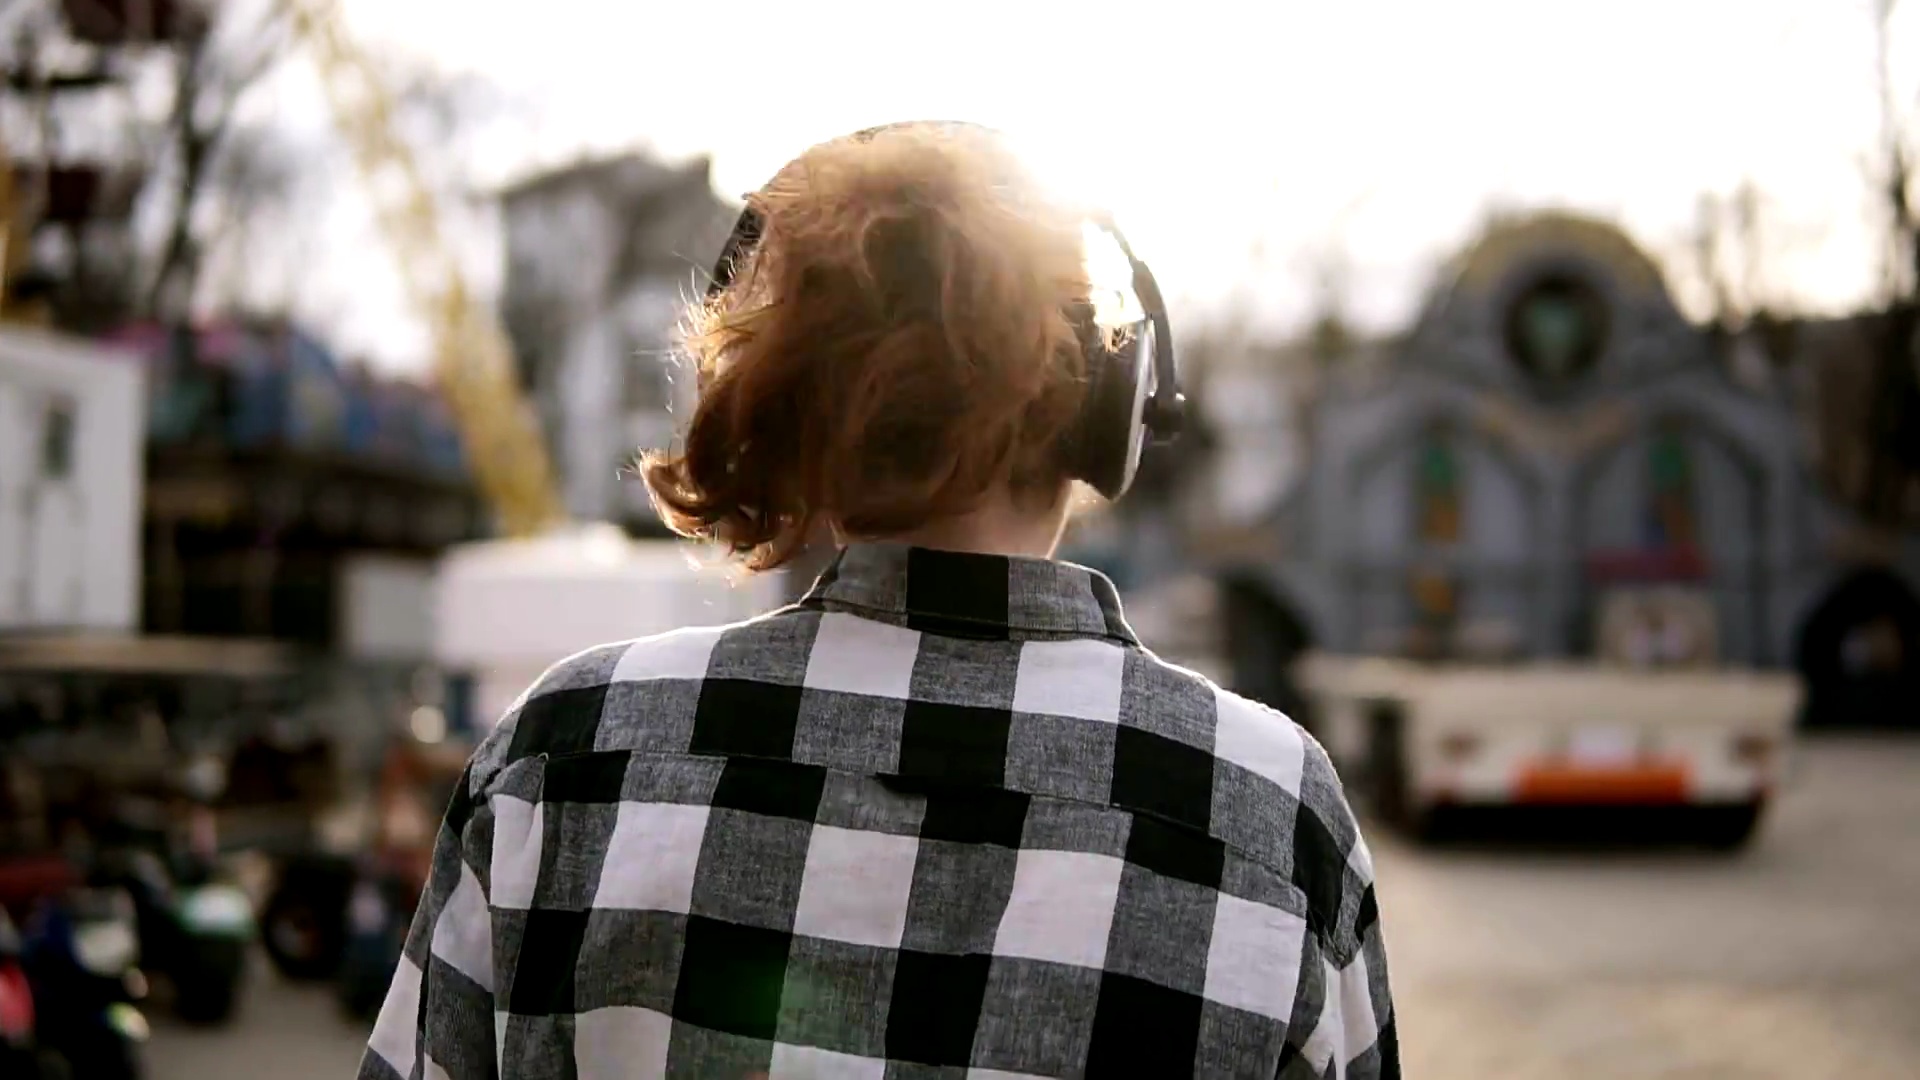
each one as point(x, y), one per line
point(70, 545)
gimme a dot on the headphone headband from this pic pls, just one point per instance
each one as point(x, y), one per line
point(1164, 411)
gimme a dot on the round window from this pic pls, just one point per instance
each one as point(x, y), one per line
point(1556, 328)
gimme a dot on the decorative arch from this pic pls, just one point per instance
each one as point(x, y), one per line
point(1552, 305)
point(1669, 537)
point(1507, 244)
point(1418, 428)
point(1442, 557)
point(1676, 420)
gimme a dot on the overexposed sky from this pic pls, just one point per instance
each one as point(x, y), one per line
point(1383, 128)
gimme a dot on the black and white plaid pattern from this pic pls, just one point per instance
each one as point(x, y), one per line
point(944, 817)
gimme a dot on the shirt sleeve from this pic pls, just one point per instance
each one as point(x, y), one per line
point(1369, 1044)
point(1353, 1036)
point(438, 1018)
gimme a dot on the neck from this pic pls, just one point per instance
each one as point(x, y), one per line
point(997, 528)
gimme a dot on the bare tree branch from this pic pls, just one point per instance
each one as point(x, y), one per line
point(1902, 267)
point(213, 74)
point(217, 179)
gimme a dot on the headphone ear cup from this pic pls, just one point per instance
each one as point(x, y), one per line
point(1109, 434)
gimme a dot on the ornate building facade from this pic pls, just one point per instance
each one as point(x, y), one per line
point(1555, 463)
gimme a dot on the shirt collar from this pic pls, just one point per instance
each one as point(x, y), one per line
point(964, 594)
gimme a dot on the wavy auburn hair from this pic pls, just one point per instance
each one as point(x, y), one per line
point(895, 348)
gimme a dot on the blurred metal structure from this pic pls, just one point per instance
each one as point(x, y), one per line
point(473, 358)
point(128, 22)
point(14, 249)
point(60, 50)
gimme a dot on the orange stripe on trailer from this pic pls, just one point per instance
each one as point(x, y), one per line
point(1555, 783)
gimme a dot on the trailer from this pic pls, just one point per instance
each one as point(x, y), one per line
point(1651, 723)
point(1422, 739)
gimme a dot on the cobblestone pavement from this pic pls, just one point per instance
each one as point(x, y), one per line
point(1798, 958)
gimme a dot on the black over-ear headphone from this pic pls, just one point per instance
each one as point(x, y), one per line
point(1133, 388)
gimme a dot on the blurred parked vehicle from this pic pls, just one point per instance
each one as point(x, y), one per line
point(195, 923)
point(20, 1052)
point(80, 956)
point(141, 754)
point(416, 786)
point(1655, 723)
point(346, 915)
point(1652, 725)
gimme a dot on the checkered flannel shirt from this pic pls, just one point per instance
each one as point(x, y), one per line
point(944, 817)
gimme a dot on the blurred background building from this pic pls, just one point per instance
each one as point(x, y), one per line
point(601, 260)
